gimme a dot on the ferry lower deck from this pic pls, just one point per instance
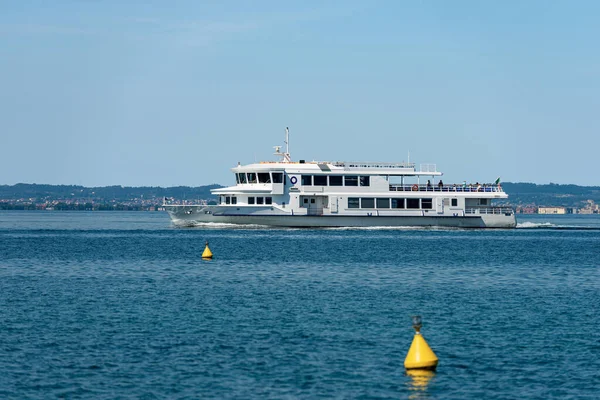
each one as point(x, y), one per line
point(476, 217)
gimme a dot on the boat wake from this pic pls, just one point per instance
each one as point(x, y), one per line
point(521, 225)
point(551, 226)
point(224, 225)
point(390, 228)
point(216, 225)
point(535, 225)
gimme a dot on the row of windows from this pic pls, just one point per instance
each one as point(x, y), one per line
point(251, 200)
point(260, 177)
point(335, 180)
point(386, 203)
point(358, 202)
point(260, 200)
point(306, 180)
point(228, 200)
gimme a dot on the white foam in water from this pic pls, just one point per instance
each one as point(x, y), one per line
point(216, 225)
point(387, 228)
point(533, 225)
point(223, 225)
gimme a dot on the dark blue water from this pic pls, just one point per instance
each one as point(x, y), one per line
point(121, 305)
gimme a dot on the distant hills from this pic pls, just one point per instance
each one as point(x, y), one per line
point(105, 193)
point(551, 194)
point(520, 194)
point(25, 196)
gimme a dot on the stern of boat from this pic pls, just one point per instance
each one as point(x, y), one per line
point(189, 215)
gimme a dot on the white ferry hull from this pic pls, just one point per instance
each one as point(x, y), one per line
point(198, 215)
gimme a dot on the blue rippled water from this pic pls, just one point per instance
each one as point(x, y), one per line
point(121, 305)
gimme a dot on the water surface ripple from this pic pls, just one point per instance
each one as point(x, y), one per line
point(121, 305)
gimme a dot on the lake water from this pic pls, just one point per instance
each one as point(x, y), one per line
point(110, 305)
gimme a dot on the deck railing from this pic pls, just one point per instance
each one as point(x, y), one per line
point(361, 164)
point(489, 210)
point(445, 188)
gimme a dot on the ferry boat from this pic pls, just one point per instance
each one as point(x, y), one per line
point(301, 193)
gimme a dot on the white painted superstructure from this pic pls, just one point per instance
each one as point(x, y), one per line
point(339, 194)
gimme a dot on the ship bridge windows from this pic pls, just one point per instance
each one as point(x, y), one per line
point(350, 180)
point(259, 177)
point(320, 180)
point(277, 177)
point(336, 180)
point(264, 177)
point(306, 180)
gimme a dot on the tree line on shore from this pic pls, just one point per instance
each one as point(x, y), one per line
point(107, 193)
point(24, 196)
point(73, 197)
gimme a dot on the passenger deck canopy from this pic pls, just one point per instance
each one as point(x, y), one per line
point(341, 167)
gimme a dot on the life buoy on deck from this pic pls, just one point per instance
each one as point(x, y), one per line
point(293, 180)
point(415, 187)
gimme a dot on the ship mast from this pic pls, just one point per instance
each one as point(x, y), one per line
point(285, 157)
point(287, 143)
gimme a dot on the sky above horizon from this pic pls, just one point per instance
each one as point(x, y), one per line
point(154, 93)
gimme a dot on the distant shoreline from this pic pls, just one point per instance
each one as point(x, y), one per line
point(524, 197)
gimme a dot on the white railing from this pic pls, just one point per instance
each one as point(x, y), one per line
point(359, 164)
point(489, 210)
point(445, 188)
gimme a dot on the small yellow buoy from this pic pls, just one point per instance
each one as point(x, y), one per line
point(420, 355)
point(207, 254)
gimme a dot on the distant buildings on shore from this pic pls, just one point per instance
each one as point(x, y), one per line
point(81, 205)
point(142, 203)
point(589, 208)
point(91, 204)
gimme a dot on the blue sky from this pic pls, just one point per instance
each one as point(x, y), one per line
point(142, 93)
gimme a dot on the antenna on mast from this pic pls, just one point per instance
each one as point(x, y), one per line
point(287, 140)
point(285, 156)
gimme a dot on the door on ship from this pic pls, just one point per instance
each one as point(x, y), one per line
point(314, 205)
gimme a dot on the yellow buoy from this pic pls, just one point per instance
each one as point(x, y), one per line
point(207, 254)
point(420, 355)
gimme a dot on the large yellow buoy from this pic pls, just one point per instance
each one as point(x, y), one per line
point(420, 355)
point(207, 254)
